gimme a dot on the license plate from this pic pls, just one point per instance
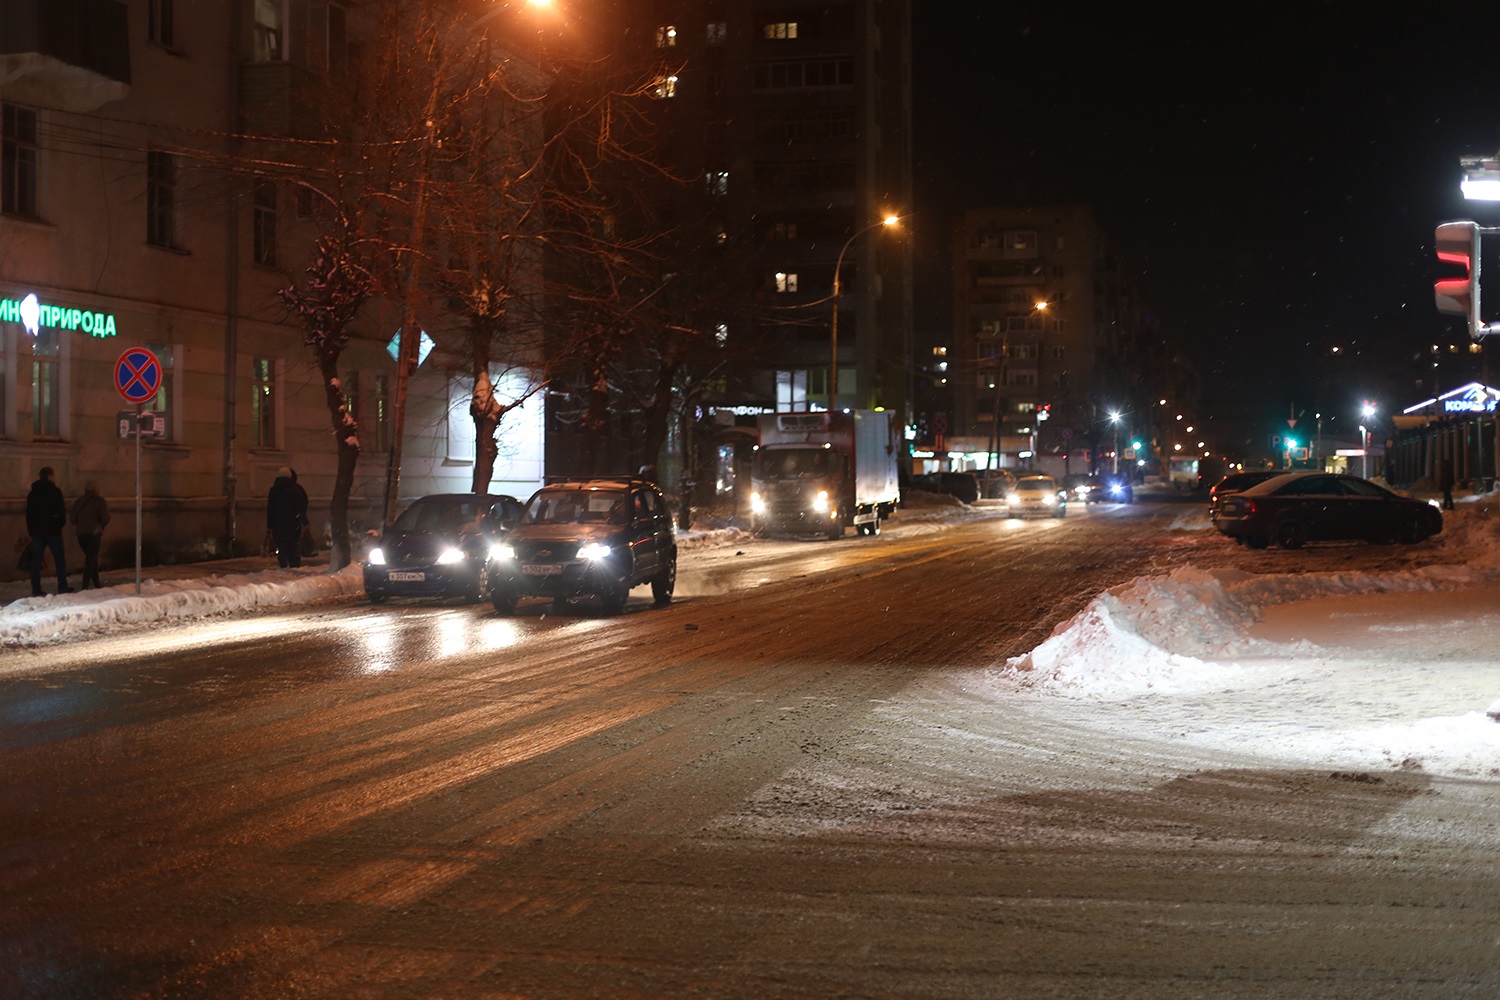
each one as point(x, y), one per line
point(399, 576)
point(544, 569)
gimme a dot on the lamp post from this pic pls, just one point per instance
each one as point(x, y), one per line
point(1367, 411)
point(833, 330)
point(1114, 418)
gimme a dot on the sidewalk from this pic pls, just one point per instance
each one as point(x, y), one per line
point(15, 590)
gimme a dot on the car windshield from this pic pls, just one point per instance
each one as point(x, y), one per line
point(439, 517)
point(1037, 485)
point(578, 507)
point(794, 463)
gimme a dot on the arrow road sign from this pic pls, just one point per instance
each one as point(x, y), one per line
point(138, 375)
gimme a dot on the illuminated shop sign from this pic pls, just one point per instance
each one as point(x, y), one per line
point(33, 315)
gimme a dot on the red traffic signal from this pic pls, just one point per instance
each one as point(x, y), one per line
point(1458, 243)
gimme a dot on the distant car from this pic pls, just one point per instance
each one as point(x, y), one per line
point(1299, 507)
point(440, 547)
point(963, 485)
point(1037, 495)
point(589, 538)
point(1118, 488)
point(1079, 486)
point(1234, 483)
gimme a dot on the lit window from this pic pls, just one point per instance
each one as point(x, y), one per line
point(786, 282)
point(162, 402)
point(46, 384)
point(270, 35)
point(721, 334)
point(666, 36)
point(780, 29)
point(263, 403)
point(462, 435)
point(265, 223)
point(718, 32)
point(161, 198)
point(1021, 239)
point(666, 86)
point(382, 413)
point(18, 162)
point(717, 182)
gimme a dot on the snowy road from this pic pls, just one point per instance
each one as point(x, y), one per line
point(854, 770)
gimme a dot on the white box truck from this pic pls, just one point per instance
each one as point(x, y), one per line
point(818, 472)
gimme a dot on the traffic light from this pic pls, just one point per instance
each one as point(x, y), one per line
point(1458, 243)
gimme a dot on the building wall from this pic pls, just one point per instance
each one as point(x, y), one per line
point(207, 307)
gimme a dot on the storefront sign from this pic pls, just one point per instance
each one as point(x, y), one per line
point(1476, 400)
point(34, 315)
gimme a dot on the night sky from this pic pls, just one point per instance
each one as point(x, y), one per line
point(1272, 181)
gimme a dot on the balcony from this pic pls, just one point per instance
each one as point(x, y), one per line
point(280, 99)
point(73, 55)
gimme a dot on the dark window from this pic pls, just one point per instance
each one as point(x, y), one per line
point(161, 198)
point(265, 223)
point(18, 160)
point(159, 22)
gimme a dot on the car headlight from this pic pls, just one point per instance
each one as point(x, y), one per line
point(450, 556)
point(377, 557)
point(1011, 498)
point(1048, 500)
point(500, 552)
point(593, 551)
point(1117, 489)
point(757, 505)
point(1082, 491)
point(820, 502)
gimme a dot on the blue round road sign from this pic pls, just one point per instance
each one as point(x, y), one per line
point(138, 375)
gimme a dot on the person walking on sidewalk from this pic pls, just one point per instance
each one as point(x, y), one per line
point(90, 515)
point(46, 513)
point(286, 513)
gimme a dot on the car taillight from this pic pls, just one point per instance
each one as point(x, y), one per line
point(1249, 506)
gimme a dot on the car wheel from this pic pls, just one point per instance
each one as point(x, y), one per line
point(1290, 534)
point(1412, 531)
point(835, 527)
point(665, 582)
point(1256, 541)
point(503, 600)
point(874, 526)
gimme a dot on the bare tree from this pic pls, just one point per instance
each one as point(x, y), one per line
point(338, 282)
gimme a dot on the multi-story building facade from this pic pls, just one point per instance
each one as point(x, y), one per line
point(796, 119)
point(1049, 340)
point(140, 209)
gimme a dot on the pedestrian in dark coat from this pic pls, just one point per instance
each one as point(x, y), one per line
point(46, 513)
point(90, 515)
point(286, 513)
point(1445, 480)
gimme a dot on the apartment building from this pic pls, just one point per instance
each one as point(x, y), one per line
point(148, 202)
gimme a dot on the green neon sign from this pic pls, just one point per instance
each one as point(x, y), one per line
point(34, 315)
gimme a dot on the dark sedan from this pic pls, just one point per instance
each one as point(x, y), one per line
point(440, 547)
point(1236, 482)
point(1299, 507)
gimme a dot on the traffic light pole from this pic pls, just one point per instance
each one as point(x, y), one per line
point(1459, 243)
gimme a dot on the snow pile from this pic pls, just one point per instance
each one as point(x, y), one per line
point(36, 620)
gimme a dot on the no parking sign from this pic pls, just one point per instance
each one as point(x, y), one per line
point(138, 375)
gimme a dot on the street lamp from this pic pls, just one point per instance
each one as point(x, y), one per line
point(833, 371)
point(1114, 418)
point(1367, 411)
